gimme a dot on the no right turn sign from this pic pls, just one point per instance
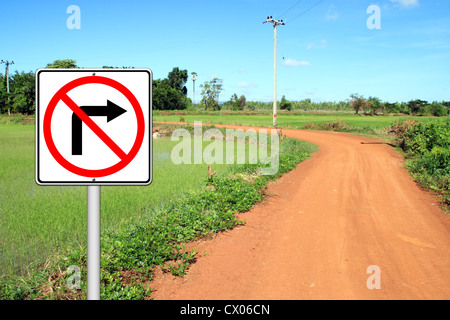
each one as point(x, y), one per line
point(93, 127)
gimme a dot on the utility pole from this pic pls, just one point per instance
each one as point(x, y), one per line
point(194, 74)
point(7, 80)
point(275, 24)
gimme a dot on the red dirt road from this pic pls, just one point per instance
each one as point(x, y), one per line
point(320, 228)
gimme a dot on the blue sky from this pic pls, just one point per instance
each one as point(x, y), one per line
point(325, 54)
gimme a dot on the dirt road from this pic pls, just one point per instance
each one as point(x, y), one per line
point(320, 229)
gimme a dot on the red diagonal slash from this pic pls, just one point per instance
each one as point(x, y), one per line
point(93, 126)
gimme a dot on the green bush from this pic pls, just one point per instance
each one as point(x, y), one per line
point(437, 109)
point(420, 138)
point(427, 146)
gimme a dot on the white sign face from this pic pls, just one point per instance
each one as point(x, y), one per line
point(93, 126)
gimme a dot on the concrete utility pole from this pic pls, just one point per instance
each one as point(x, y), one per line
point(7, 79)
point(275, 24)
point(194, 74)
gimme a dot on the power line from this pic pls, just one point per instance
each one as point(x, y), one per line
point(282, 15)
point(307, 10)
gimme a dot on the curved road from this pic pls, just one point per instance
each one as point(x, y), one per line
point(345, 220)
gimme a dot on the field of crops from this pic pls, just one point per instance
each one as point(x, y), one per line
point(37, 220)
point(355, 123)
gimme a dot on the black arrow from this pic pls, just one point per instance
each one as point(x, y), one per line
point(110, 111)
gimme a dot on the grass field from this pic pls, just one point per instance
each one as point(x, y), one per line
point(36, 220)
point(357, 123)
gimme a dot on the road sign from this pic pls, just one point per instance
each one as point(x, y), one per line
point(93, 126)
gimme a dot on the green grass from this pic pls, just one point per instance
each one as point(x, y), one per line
point(38, 220)
point(357, 123)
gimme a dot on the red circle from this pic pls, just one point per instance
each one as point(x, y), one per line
point(98, 172)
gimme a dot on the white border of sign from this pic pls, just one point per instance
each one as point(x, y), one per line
point(41, 107)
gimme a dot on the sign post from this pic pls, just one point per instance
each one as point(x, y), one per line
point(93, 242)
point(93, 128)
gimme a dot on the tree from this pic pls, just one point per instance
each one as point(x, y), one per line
point(237, 103)
point(177, 79)
point(416, 106)
point(4, 101)
point(438, 109)
point(167, 98)
point(210, 94)
point(23, 92)
point(446, 104)
point(358, 102)
point(21, 96)
point(391, 107)
point(63, 64)
point(375, 105)
point(171, 93)
point(285, 104)
point(242, 102)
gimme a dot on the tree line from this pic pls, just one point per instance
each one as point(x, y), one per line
point(374, 105)
point(171, 93)
point(17, 93)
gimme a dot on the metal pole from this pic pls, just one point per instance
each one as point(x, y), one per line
point(193, 80)
point(7, 77)
point(93, 242)
point(275, 76)
point(275, 24)
point(7, 85)
point(7, 80)
point(194, 74)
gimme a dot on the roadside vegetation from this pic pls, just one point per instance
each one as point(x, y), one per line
point(157, 236)
point(36, 221)
point(427, 149)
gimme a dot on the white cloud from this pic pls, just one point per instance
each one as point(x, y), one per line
point(406, 3)
point(322, 44)
point(294, 63)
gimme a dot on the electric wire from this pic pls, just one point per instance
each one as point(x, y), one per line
point(283, 14)
point(307, 10)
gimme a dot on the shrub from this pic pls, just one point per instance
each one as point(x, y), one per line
point(428, 151)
